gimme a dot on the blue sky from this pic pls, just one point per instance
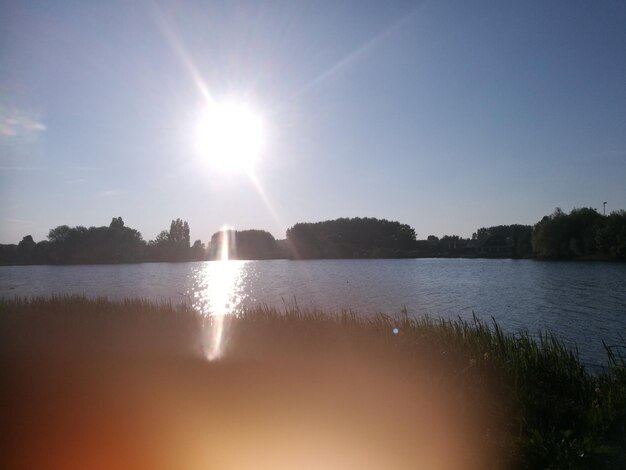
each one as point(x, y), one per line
point(446, 115)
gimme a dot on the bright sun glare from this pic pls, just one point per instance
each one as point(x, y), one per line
point(230, 136)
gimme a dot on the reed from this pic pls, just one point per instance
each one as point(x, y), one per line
point(544, 408)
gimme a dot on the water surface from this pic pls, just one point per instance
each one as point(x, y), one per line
point(581, 302)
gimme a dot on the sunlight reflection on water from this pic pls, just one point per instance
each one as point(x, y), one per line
point(218, 287)
point(219, 293)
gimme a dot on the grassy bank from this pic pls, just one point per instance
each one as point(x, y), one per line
point(127, 384)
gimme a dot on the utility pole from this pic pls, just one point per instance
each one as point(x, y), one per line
point(604, 208)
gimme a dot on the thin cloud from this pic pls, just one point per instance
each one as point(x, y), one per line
point(18, 123)
point(84, 168)
point(21, 168)
point(109, 193)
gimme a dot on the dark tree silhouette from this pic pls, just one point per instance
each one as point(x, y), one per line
point(611, 237)
point(26, 249)
point(568, 236)
point(179, 239)
point(113, 244)
point(245, 244)
point(352, 238)
point(172, 245)
point(198, 252)
point(508, 240)
point(116, 222)
point(583, 233)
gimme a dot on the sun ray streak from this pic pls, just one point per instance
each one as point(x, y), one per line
point(179, 49)
point(265, 198)
point(349, 58)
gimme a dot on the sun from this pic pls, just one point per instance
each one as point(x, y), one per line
point(230, 136)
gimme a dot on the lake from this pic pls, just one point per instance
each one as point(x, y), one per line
point(582, 302)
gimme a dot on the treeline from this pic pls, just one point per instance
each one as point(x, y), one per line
point(115, 243)
point(500, 241)
point(352, 238)
point(245, 244)
point(581, 234)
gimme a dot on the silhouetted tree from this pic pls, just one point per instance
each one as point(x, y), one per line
point(198, 253)
point(117, 222)
point(179, 232)
point(26, 249)
point(511, 240)
point(159, 248)
point(583, 233)
point(8, 254)
point(572, 235)
point(172, 245)
point(179, 239)
point(162, 238)
point(352, 238)
point(611, 236)
point(113, 244)
point(59, 234)
point(245, 244)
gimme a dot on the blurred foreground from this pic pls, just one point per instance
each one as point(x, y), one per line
point(90, 384)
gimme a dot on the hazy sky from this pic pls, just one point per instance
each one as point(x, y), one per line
point(446, 115)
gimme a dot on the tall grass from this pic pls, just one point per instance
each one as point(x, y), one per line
point(543, 408)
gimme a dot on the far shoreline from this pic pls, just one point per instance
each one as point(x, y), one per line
point(549, 260)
